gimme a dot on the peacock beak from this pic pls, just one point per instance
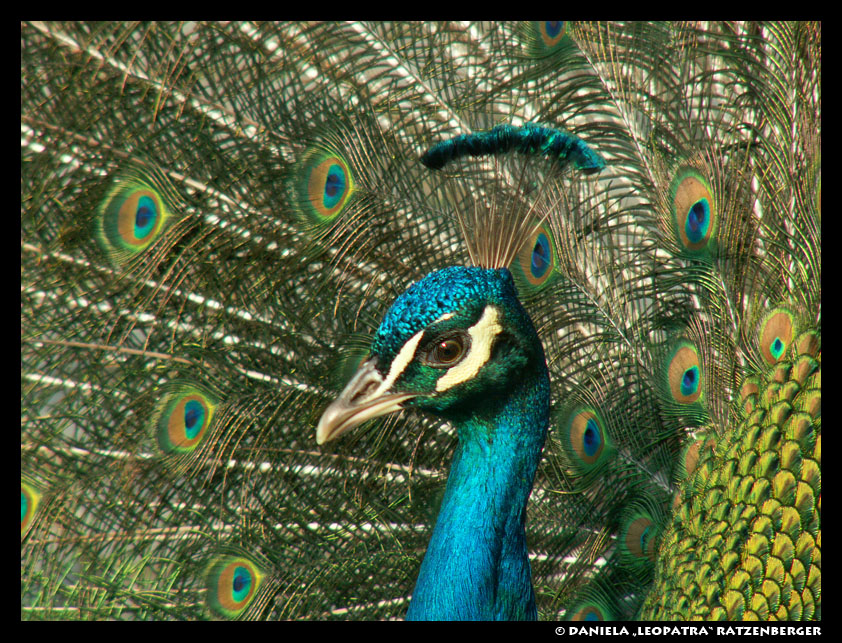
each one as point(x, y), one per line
point(363, 398)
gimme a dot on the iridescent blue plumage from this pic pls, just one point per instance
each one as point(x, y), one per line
point(496, 394)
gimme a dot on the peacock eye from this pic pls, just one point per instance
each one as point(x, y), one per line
point(446, 351)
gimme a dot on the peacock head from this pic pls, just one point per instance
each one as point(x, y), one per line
point(450, 345)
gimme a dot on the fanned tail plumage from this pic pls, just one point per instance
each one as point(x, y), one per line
point(217, 216)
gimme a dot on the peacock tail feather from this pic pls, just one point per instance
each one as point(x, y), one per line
point(215, 218)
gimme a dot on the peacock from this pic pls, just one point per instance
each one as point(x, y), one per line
point(435, 321)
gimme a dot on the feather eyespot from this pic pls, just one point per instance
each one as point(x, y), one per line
point(536, 262)
point(546, 38)
point(328, 186)
point(138, 217)
point(586, 440)
point(232, 584)
point(588, 437)
point(184, 417)
point(684, 375)
point(134, 214)
point(321, 185)
point(552, 32)
point(640, 525)
point(776, 333)
point(694, 215)
point(639, 536)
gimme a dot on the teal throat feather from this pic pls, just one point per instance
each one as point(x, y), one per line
point(476, 566)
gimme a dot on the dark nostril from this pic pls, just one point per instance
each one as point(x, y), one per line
point(364, 392)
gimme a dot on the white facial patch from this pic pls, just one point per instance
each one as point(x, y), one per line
point(403, 358)
point(400, 362)
point(482, 339)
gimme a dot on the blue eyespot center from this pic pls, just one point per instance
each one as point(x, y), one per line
point(690, 381)
point(698, 221)
point(241, 583)
point(592, 438)
point(553, 27)
point(334, 186)
point(541, 256)
point(145, 217)
point(194, 418)
point(777, 348)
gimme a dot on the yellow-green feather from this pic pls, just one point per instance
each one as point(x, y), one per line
point(745, 539)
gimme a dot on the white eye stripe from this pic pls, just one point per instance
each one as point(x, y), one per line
point(482, 339)
point(402, 359)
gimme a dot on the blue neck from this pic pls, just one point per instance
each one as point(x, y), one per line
point(476, 566)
